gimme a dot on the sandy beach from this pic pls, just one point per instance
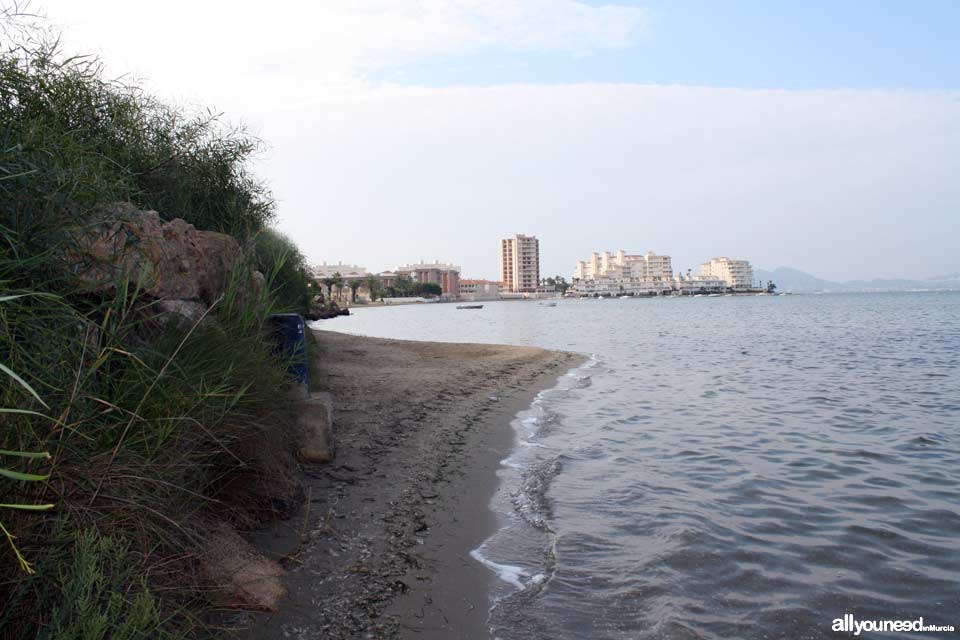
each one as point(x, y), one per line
point(381, 549)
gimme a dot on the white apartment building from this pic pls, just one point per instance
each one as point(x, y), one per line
point(623, 274)
point(633, 269)
point(520, 264)
point(346, 271)
point(738, 274)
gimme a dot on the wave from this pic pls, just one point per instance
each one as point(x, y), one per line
point(522, 553)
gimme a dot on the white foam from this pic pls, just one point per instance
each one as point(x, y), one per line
point(506, 572)
point(527, 443)
point(527, 421)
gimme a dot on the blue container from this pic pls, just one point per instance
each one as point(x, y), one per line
point(290, 342)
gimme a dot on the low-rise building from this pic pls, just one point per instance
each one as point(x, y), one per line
point(387, 278)
point(620, 287)
point(737, 274)
point(472, 289)
point(698, 284)
point(346, 271)
point(444, 274)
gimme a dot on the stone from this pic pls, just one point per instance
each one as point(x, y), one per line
point(315, 428)
point(184, 312)
point(240, 575)
point(171, 260)
point(258, 283)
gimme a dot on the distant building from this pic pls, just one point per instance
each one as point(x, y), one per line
point(441, 273)
point(346, 271)
point(479, 289)
point(620, 266)
point(698, 284)
point(387, 279)
point(520, 264)
point(738, 274)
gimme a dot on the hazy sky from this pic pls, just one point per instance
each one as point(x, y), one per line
point(822, 135)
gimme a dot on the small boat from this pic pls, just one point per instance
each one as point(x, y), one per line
point(470, 306)
point(548, 304)
point(624, 297)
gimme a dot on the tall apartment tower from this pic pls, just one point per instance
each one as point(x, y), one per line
point(520, 263)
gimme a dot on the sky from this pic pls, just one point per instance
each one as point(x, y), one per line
point(819, 135)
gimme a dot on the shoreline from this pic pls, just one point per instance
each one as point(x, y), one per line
point(382, 547)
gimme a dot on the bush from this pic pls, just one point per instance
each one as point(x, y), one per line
point(72, 140)
point(280, 259)
point(98, 601)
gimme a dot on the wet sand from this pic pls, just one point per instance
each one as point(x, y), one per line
point(382, 551)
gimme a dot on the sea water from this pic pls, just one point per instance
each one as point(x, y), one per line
point(723, 467)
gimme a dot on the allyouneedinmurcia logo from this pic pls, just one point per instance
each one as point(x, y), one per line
point(848, 623)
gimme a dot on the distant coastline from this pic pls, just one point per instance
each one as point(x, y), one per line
point(797, 281)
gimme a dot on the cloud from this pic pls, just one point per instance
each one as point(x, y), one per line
point(844, 184)
point(457, 27)
point(265, 55)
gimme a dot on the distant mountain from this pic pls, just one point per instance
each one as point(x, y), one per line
point(788, 279)
point(797, 281)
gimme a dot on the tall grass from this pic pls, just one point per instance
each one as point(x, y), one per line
point(72, 140)
point(154, 428)
point(278, 255)
point(148, 427)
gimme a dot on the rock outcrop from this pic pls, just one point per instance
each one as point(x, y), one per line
point(182, 268)
point(326, 311)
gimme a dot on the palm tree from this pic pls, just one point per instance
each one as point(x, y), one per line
point(328, 282)
point(402, 284)
point(373, 286)
point(338, 283)
point(354, 285)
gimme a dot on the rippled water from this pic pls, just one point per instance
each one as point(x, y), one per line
point(745, 467)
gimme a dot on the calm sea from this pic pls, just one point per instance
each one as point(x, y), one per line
point(724, 467)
